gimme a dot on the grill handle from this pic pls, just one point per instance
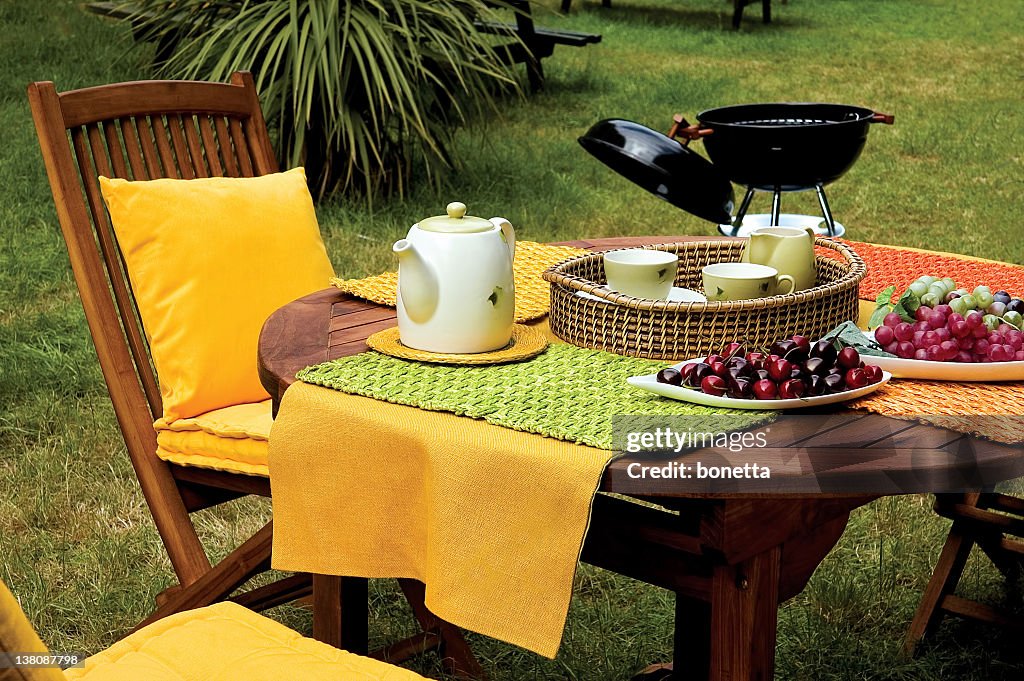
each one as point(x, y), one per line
point(888, 119)
point(682, 128)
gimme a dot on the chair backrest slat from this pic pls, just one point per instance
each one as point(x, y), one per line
point(210, 145)
point(226, 146)
point(133, 149)
point(137, 131)
point(241, 148)
point(163, 145)
point(149, 152)
point(180, 147)
point(115, 150)
point(195, 147)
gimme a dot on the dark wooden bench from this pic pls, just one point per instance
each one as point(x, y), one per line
point(737, 12)
point(530, 46)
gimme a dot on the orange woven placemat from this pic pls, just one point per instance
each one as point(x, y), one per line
point(991, 410)
point(533, 295)
point(892, 265)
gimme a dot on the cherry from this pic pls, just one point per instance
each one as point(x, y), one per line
point(739, 365)
point(756, 359)
point(700, 371)
point(713, 385)
point(856, 378)
point(825, 350)
point(738, 387)
point(833, 383)
point(873, 373)
point(779, 370)
point(734, 350)
point(711, 359)
point(796, 354)
point(792, 389)
point(781, 347)
point(760, 375)
point(687, 371)
point(816, 365)
point(719, 369)
point(849, 358)
point(802, 342)
point(765, 390)
point(670, 375)
point(815, 385)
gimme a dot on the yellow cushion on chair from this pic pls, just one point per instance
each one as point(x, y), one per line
point(226, 642)
point(209, 260)
point(18, 636)
point(232, 439)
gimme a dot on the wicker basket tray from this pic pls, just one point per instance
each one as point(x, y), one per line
point(657, 329)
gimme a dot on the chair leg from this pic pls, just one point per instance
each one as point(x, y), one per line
point(566, 6)
point(249, 559)
point(456, 655)
point(943, 582)
point(766, 11)
point(737, 12)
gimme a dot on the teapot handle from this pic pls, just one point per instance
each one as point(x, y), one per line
point(509, 233)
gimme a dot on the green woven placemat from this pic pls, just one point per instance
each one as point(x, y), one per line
point(567, 392)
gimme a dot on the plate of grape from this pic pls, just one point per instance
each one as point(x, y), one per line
point(970, 337)
point(793, 374)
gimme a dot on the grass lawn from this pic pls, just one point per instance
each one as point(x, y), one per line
point(77, 543)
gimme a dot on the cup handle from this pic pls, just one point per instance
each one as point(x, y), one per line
point(786, 278)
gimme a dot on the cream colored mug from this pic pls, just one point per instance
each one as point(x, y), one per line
point(743, 281)
point(641, 272)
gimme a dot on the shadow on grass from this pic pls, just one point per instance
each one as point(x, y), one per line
point(684, 17)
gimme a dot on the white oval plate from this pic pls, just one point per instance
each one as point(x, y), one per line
point(675, 392)
point(946, 371)
point(676, 295)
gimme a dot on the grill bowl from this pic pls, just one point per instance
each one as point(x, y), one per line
point(787, 146)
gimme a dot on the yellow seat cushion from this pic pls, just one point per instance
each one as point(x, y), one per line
point(226, 642)
point(232, 439)
point(18, 636)
point(209, 260)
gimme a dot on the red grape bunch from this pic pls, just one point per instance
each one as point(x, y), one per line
point(941, 335)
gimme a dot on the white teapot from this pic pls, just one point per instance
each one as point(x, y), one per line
point(455, 288)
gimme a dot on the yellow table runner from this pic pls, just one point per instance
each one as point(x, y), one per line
point(533, 294)
point(410, 514)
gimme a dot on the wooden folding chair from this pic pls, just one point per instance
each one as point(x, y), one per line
point(992, 522)
point(157, 129)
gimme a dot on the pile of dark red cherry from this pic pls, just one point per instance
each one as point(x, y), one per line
point(790, 369)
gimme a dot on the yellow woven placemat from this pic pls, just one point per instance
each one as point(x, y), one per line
point(991, 410)
point(533, 295)
point(526, 342)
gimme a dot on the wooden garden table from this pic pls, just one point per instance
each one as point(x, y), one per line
point(729, 558)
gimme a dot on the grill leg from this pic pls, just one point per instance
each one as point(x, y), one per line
point(829, 220)
point(744, 207)
point(776, 206)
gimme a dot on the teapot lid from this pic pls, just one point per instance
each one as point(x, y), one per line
point(456, 221)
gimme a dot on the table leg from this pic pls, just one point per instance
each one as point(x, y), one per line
point(340, 612)
point(744, 613)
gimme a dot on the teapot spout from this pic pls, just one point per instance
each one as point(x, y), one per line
point(417, 282)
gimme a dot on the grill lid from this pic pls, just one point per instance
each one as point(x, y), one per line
point(662, 166)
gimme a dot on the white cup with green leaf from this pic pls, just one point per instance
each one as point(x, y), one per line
point(641, 272)
point(744, 281)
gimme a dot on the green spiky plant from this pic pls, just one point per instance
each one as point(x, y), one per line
point(359, 91)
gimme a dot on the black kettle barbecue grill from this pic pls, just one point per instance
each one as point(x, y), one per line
point(781, 147)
